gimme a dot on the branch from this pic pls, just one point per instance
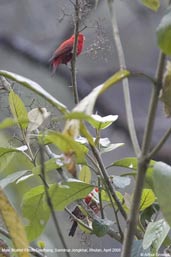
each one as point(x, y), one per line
point(143, 161)
point(160, 144)
point(74, 54)
point(125, 82)
point(106, 177)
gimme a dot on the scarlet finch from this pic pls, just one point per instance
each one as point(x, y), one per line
point(63, 54)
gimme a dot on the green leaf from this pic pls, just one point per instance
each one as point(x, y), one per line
point(35, 88)
point(147, 199)
point(12, 178)
point(85, 174)
point(49, 165)
point(66, 144)
point(110, 147)
point(137, 249)
point(162, 185)
point(95, 120)
point(36, 211)
point(132, 163)
point(68, 192)
point(12, 160)
point(18, 110)
point(148, 214)
point(151, 4)
point(86, 105)
point(155, 234)
point(164, 34)
point(8, 122)
point(4, 151)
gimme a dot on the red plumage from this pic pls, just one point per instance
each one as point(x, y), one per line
point(63, 54)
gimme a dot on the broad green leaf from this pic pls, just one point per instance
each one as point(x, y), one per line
point(49, 165)
point(147, 199)
point(35, 88)
point(66, 144)
point(36, 211)
point(95, 120)
point(155, 234)
point(87, 104)
point(147, 215)
point(162, 185)
point(132, 163)
point(12, 160)
point(68, 192)
point(12, 178)
point(105, 198)
point(4, 151)
point(36, 118)
point(18, 109)
point(14, 225)
point(152, 4)
point(85, 174)
point(137, 249)
point(7, 123)
point(164, 33)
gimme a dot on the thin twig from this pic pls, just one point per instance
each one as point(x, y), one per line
point(33, 251)
point(100, 198)
point(74, 52)
point(160, 144)
point(49, 202)
point(153, 105)
point(106, 178)
point(125, 82)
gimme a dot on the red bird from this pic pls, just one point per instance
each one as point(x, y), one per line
point(63, 54)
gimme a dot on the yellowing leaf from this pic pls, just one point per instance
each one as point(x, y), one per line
point(164, 33)
point(66, 144)
point(147, 199)
point(152, 4)
point(14, 226)
point(18, 110)
point(85, 174)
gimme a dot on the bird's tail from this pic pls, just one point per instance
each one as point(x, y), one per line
point(54, 65)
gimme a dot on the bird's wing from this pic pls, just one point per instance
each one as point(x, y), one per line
point(62, 49)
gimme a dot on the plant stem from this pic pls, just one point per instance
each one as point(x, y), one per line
point(74, 53)
point(106, 178)
point(125, 82)
point(49, 202)
point(153, 105)
point(160, 144)
point(100, 198)
point(143, 161)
